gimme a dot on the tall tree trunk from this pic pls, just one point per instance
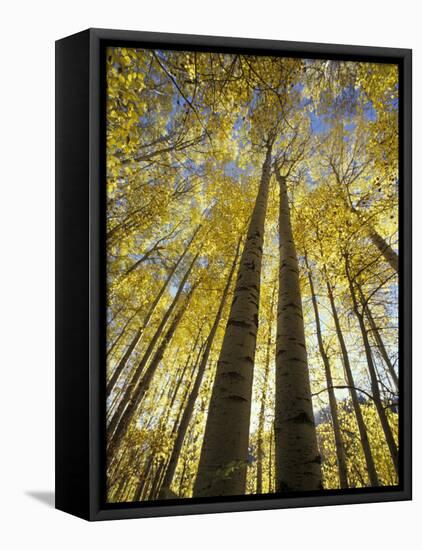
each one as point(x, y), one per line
point(187, 389)
point(385, 249)
point(142, 483)
point(182, 479)
point(163, 436)
point(340, 453)
point(187, 413)
point(114, 315)
point(139, 488)
point(169, 407)
point(223, 460)
point(143, 385)
point(154, 248)
point(270, 460)
point(121, 417)
point(369, 460)
point(261, 421)
point(122, 332)
point(298, 461)
point(138, 334)
point(138, 372)
point(378, 339)
point(153, 495)
point(183, 371)
point(113, 477)
point(372, 373)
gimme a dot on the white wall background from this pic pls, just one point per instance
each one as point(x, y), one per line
point(29, 29)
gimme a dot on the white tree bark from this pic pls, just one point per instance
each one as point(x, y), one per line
point(223, 461)
point(298, 461)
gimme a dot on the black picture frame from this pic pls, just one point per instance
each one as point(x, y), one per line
point(80, 273)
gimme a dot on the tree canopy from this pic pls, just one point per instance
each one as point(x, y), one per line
point(252, 286)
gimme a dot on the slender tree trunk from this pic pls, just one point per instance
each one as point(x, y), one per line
point(223, 460)
point(113, 480)
point(298, 461)
point(270, 460)
point(160, 470)
point(369, 460)
point(183, 371)
point(121, 490)
point(182, 400)
point(134, 393)
point(138, 334)
point(189, 385)
point(261, 421)
point(123, 361)
point(372, 374)
point(138, 372)
point(141, 484)
point(178, 420)
point(340, 453)
point(379, 341)
point(143, 385)
point(156, 480)
point(187, 413)
point(121, 333)
point(122, 276)
point(385, 249)
point(121, 479)
point(182, 480)
point(116, 314)
point(146, 256)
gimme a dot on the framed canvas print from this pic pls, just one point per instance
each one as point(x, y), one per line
point(233, 274)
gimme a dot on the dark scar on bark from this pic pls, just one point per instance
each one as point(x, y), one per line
point(292, 304)
point(237, 398)
point(241, 324)
point(233, 375)
point(316, 460)
point(301, 418)
point(248, 288)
